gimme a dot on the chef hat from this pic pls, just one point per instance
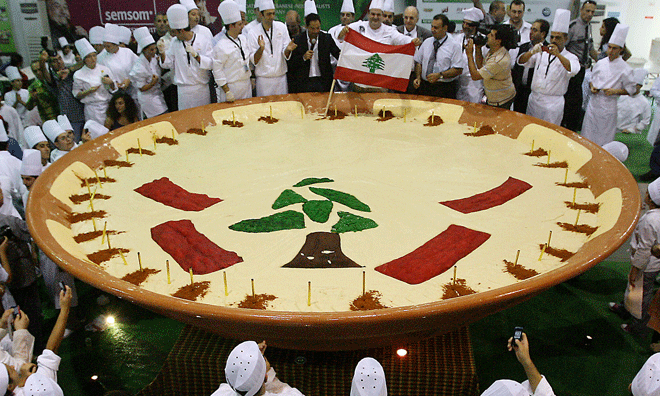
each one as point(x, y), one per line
point(562, 20)
point(31, 163)
point(84, 48)
point(143, 38)
point(619, 35)
point(63, 42)
point(506, 388)
point(3, 132)
point(229, 12)
point(368, 379)
point(242, 7)
point(377, 4)
point(388, 6)
point(617, 149)
point(4, 374)
point(257, 4)
point(473, 14)
point(13, 73)
point(266, 5)
point(33, 136)
point(125, 35)
point(96, 35)
point(647, 380)
point(38, 384)
point(63, 120)
point(654, 191)
point(347, 6)
point(95, 129)
point(189, 4)
point(310, 7)
point(112, 33)
point(246, 368)
point(640, 75)
point(177, 16)
point(52, 129)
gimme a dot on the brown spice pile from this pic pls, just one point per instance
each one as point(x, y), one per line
point(257, 301)
point(106, 254)
point(78, 217)
point(268, 120)
point(562, 164)
point(233, 124)
point(433, 120)
point(456, 289)
point(561, 253)
point(88, 236)
point(583, 184)
point(337, 115)
point(79, 198)
point(586, 207)
point(120, 164)
point(167, 140)
point(368, 301)
point(384, 115)
point(581, 228)
point(139, 276)
point(539, 152)
point(134, 150)
point(93, 180)
point(197, 131)
point(518, 271)
point(192, 292)
point(483, 131)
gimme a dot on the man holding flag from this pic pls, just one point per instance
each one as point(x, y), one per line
point(366, 45)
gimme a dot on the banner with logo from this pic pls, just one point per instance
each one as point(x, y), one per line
point(6, 36)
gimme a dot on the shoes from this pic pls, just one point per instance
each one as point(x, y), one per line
point(619, 309)
point(655, 347)
point(648, 177)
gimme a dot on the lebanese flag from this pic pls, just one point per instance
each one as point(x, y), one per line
point(369, 62)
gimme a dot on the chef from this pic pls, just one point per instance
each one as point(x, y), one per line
point(346, 17)
point(610, 78)
point(96, 36)
point(190, 57)
point(93, 84)
point(145, 75)
point(270, 47)
point(552, 71)
point(36, 140)
point(194, 17)
point(10, 166)
point(469, 90)
point(119, 59)
point(634, 112)
point(231, 57)
point(66, 52)
point(62, 140)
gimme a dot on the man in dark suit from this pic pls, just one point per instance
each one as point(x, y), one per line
point(309, 68)
point(521, 75)
point(410, 28)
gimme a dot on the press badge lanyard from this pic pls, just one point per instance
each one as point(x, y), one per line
point(191, 44)
point(270, 38)
point(238, 45)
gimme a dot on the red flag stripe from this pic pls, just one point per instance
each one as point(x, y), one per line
point(376, 80)
point(502, 194)
point(370, 45)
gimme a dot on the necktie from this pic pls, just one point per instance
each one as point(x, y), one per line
point(429, 67)
point(585, 53)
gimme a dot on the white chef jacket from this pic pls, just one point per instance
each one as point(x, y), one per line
point(10, 99)
point(250, 26)
point(646, 234)
point(231, 60)
point(69, 60)
point(121, 63)
point(384, 34)
point(202, 30)
point(95, 103)
point(599, 124)
point(10, 115)
point(550, 77)
point(187, 71)
point(22, 346)
point(633, 113)
point(655, 125)
point(152, 100)
point(272, 62)
point(48, 363)
point(273, 387)
point(10, 167)
point(449, 55)
point(56, 153)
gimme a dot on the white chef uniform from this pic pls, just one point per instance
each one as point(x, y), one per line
point(15, 131)
point(271, 69)
point(231, 58)
point(121, 63)
point(655, 125)
point(468, 89)
point(152, 100)
point(633, 113)
point(96, 103)
point(10, 99)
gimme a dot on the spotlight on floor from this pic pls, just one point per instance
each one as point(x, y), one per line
point(401, 352)
point(110, 320)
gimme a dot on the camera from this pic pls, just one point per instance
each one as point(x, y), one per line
point(483, 30)
point(5, 231)
point(517, 334)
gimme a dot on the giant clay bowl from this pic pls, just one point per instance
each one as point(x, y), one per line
point(339, 330)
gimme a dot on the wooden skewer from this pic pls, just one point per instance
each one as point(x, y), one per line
point(97, 178)
point(548, 157)
point(203, 128)
point(517, 255)
point(233, 118)
point(335, 110)
point(432, 116)
point(574, 194)
point(364, 282)
point(139, 148)
point(532, 147)
point(271, 112)
point(173, 138)
point(302, 112)
point(549, 237)
point(126, 155)
point(89, 190)
point(356, 110)
point(542, 251)
point(309, 293)
point(577, 218)
point(167, 266)
point(252, 287)
point(454, 274)
point(475, 127)
point(139, 261)
point(105, 174)
point(566, 176)
point(191, 276)
point(224, 275)
point(105, 225)
point(153, 137)
point(94, 223)
point(107, 239)
point(122, 255)
point(91, 202)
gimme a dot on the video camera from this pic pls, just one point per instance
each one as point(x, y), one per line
point(483, 30)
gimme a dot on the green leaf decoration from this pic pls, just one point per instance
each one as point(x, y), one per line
point(288, 197)
point(318, 211)
point(349, 222)
point(312, 180)
point(342, 198)
point(287, 220)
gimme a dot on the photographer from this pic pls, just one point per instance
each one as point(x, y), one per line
point(536, 384)
point(496, 70)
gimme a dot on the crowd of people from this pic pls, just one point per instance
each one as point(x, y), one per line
point(112, 77)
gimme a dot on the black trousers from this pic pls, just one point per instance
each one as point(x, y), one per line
point(27, 298)
point(439, 89)
point(573, 113)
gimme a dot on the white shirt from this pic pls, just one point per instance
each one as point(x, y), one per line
point(334, 32)
point(384, 34)
point(187, 71)
point(646, 234)
point(412, 34)
point(550, 76)
point(228, 64)
point(86, 78)
point(10, 167)
point(11, 116)
point(272, 62)
point(314, 69)
point(449, 56)
point(250, 26)
point(633, 113)
point(10, 99)
point(121, 63)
